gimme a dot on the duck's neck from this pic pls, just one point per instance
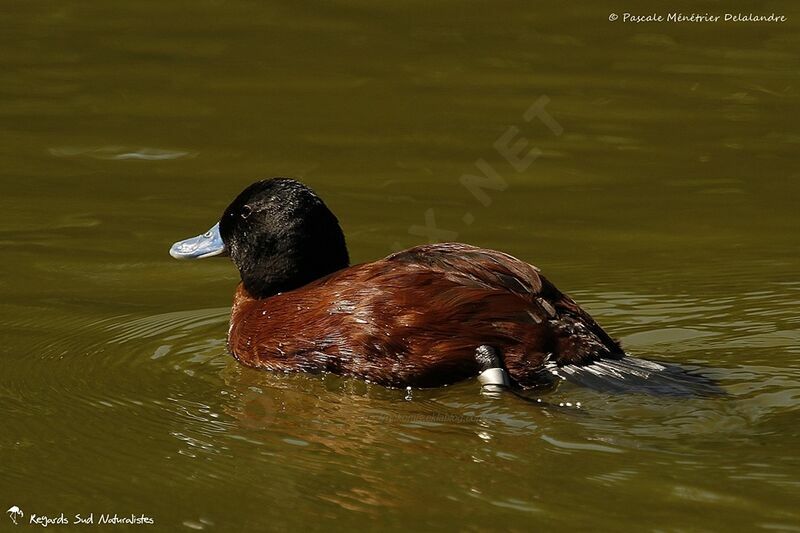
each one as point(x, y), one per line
point(289, 267)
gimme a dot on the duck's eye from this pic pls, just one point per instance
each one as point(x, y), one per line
point(246, 211)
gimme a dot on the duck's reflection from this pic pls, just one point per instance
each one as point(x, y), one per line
point(348, 433)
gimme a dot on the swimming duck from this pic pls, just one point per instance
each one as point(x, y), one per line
point(428, 316)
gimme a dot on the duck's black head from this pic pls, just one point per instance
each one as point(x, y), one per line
point(280, 235)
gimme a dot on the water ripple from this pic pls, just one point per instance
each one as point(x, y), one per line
point(121, 153)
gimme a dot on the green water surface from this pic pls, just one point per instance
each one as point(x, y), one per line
point(661, 193)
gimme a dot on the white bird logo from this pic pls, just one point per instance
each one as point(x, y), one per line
point(14, 512)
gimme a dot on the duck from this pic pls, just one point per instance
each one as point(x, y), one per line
point(428, 316)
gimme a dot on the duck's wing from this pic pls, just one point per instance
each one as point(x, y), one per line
point(576, 339)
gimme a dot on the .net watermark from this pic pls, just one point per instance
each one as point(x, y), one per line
point(694, 18)
point(514, 150)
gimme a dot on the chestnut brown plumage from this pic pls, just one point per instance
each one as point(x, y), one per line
point(416, 318)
